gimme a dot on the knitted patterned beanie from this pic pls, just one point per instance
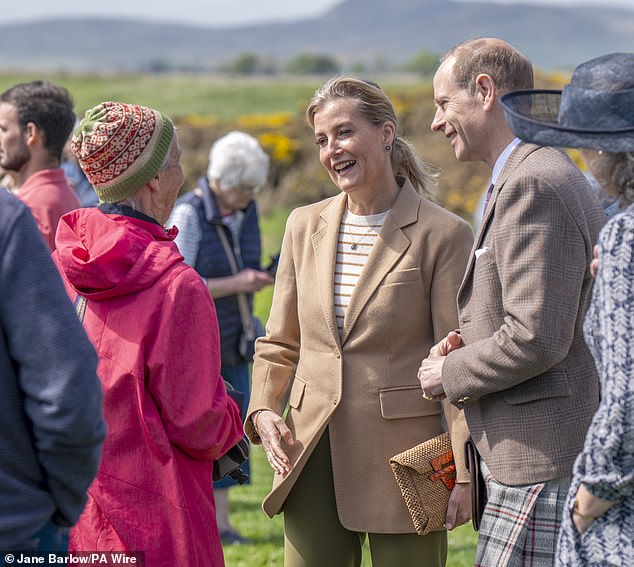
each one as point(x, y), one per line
point(121, 147)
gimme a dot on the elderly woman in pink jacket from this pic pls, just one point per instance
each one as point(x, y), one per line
point(154, 326)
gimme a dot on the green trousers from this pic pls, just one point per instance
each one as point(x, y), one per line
point(314, 537)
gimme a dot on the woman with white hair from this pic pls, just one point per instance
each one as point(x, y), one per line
point(219, 236)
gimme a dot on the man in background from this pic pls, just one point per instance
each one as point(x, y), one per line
point(50, 397)
point(36, 120)
point(519, 368)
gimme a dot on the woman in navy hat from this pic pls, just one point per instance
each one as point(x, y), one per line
point(595, 113)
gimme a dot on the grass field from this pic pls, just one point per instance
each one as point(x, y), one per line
point(266, 549)
point(180, 95)
point(267, 545)
point(222, 97)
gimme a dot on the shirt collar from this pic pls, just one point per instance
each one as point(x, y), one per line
point(501, 161)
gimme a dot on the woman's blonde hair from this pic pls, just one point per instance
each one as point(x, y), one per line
point(375, 106)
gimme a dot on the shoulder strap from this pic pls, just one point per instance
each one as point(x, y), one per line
point(243, 304)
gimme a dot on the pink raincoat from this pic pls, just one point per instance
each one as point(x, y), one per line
point(154, 326)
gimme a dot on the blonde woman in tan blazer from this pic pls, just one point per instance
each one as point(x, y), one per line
point(366, 284)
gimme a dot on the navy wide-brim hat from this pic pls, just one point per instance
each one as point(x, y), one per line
point(587, 113)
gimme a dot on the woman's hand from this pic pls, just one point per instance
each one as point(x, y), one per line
point(250, 280)
point(271, 428)
point(588, 508)
point(245, 281)
point(594, 265)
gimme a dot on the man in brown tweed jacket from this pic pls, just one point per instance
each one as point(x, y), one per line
point(519, 367)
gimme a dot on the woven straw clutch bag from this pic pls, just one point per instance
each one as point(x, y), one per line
point(426, 474)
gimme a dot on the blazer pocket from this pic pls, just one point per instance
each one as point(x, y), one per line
point(402, 276)
point(297, 393)
point(406, 401)
point(540, 388)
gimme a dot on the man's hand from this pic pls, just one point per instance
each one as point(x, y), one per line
point(451, 342)
point(459, 508)
point(430, 378)
point(430, 371)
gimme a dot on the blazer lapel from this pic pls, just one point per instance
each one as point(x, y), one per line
point(388, 249)
point(325, 249)
point(516, 157)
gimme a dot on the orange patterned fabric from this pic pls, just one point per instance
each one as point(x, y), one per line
point(444, 470)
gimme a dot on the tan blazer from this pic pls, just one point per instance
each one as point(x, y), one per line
point(362, 386)
point(525, 378)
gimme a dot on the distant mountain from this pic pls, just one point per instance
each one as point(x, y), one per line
point(355, 31)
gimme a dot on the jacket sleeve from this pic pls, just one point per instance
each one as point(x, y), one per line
point(56, 368)
point(537, 251)
point(448, 273)
point(183, 372)
point(185, 218)
point(608, 455)
point(277, 353)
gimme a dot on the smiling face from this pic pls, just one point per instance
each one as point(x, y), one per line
point(459, 115)
point(351, 149)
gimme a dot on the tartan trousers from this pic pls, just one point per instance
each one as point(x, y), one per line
point(520, 523)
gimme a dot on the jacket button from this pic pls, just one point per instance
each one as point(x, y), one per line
point(464, 401)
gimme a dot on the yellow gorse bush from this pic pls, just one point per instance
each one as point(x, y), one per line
point(269, 129)
point(281, 148)
point(265, 121)
point(199, 121)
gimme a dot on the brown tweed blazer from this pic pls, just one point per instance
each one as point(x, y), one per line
point(525, 378)
point(362, 386)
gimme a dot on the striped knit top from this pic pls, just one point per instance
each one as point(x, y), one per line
point(357, 235)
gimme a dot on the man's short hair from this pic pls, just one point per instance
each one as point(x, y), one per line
point(509, 69)
point(48, 106)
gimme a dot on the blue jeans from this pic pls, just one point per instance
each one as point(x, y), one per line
point(51, 538)
point(239, 376)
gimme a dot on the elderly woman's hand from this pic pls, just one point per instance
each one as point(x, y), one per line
point(271, 427)
point(250, 280)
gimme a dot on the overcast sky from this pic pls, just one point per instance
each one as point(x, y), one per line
point(208, 12)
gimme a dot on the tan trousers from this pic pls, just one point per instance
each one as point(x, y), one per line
point(314, 537)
